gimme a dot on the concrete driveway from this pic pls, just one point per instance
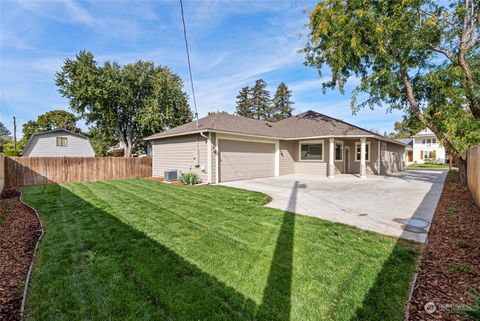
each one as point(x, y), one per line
point(384, 204)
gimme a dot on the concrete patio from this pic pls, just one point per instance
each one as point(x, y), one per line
point(383, 204)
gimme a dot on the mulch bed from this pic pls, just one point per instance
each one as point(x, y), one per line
point(18, 236)
point(450, 265)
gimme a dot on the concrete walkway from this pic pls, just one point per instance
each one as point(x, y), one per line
point(383, 204)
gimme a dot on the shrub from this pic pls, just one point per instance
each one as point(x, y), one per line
point(471, 310)
point(189, 178)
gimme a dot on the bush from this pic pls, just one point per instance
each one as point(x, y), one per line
point(190, 178)
point(470, 310)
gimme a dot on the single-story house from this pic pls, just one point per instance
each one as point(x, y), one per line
point(424, 147)
point(223, 147)
point(58, 143)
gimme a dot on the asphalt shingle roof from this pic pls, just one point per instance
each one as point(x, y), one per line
point(307, 124)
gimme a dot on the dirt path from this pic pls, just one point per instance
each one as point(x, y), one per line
point(450, 266)
point(18, 235)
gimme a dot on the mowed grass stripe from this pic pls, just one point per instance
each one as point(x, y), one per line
point(150, 251)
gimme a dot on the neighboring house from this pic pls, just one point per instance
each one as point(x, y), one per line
point(58, 142)
point(224, 147)
point(424, 147)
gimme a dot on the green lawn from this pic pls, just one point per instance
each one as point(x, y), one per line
point(143, 250)
point(428, 165)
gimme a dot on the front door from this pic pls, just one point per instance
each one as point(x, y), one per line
point(347, 160)
point(410, 156)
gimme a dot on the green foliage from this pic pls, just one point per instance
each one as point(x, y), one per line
point(406, 55)
point(470, 310)
point(5, 136)
point(255, 102)
point(260, 101)
point(282, 103)
point(244, 106)
point(406, 128)
point(50, 120)
point(127, 102)
point(189, 178)
point(101, 141)
point(8, 149)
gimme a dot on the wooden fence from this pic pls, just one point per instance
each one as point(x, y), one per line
point(472, 158)
point(29, 171)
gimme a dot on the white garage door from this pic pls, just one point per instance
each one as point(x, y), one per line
point(244, 160)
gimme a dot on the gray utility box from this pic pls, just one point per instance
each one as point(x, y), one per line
point(170, 175)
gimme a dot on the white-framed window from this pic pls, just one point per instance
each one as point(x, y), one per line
point(62, 142)
point(434, 140)
point(426, 154)
point(429, 141)
point(358, 149)
point(311, 150)
point(338, 151)
point(423, 141)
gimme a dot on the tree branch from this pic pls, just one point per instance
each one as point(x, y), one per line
point(445, 53)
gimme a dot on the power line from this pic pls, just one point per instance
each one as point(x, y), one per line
point(188, 59)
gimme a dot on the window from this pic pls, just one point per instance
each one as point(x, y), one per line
point(339, 151)
point(427, 154)
point(62, 141)
point(358, 148)
point(429, 141)
point(434, 141)
point(423, 141)
point(312, 150)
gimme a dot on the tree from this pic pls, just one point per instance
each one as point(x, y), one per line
point(282, 104)
point(260, 101)
point(101, 141)
point(127, 102)
point(58, 119)
point(244, 103)
point(397, 49)
point(409, 126)
point(50, 120)
point(5, 136)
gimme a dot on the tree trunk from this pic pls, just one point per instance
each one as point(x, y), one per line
point(418, 114)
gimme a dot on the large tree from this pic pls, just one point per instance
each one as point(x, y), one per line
point(50, 120)
point(282, 103)
point(127, 102)
point(400, 51)
point(260, 101)
point(244, 103)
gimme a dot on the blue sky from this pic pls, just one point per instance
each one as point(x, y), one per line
point(232, 43)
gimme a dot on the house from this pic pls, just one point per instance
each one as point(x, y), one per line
point(424, 147)
point(58, 143)
point(223, 147)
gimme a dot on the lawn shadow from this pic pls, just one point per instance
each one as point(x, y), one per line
point(165, 285)
point(277, 294)
point(377, 302)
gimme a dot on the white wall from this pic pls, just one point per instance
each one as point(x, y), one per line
point(418, 146)
point(45, 145)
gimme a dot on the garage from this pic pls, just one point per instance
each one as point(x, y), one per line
point(245, 160)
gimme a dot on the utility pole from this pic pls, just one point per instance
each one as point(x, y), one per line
point(14, 133)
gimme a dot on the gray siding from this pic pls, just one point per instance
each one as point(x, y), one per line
point(45, 145)
point(180, 153)
point(287, 153)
